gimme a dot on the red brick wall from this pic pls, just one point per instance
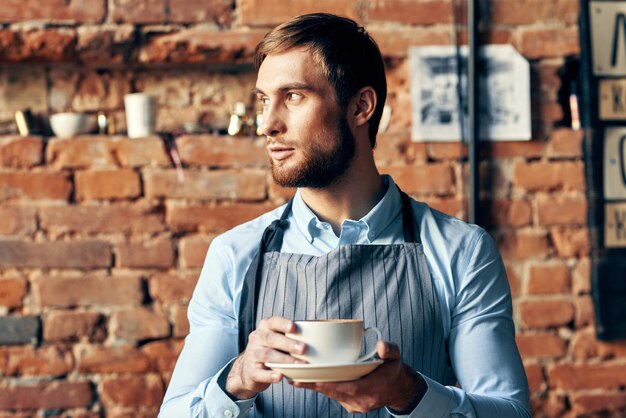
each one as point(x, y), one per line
point(100, 245)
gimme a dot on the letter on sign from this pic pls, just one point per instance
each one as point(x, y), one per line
point(608, 37)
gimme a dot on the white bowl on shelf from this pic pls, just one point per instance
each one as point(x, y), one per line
point(69, 124)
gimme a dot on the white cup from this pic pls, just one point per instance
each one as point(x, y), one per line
point(140, 114)
point(336, 341)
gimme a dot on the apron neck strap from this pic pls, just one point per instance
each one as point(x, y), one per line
point(409, 226)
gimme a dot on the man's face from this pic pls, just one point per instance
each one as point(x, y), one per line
point(309, 141)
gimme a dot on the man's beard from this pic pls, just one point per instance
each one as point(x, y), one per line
point(320, 168)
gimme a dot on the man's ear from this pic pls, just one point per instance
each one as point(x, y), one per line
point(364, 105)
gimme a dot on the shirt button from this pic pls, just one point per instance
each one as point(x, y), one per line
point(228, 413)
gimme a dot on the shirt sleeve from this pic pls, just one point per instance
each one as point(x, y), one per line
point(209, 348)
point(482, 346)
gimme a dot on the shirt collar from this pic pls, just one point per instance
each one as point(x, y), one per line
point(376, 221)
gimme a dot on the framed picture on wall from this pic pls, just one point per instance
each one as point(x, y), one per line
point(437, 94)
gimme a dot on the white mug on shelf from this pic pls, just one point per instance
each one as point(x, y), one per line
point(140, 114)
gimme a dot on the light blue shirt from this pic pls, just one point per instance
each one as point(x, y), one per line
point(470, 282)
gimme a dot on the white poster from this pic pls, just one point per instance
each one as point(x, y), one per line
point(504, 93)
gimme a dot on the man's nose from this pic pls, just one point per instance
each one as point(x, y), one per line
point(273, 124)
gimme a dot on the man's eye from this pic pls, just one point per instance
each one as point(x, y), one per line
point(293, 96)
point(264, 100)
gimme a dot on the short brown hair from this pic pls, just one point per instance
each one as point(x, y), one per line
point(349, 57)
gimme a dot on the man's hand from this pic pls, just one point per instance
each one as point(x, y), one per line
point(268, 343)
point(393, 384)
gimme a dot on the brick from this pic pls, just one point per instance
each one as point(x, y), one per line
point(565, 143)
point(107, 184)
point(135, 152)
point(53, 11)
point(446, 151)
point(101, 91)
point(180, 321)
point(586, 403)
point(87, 291)
point(554, 405)
point(523, 245)
point(53, 45)
point(524, 12)
point(547, 43)
point(260, 13)
point(217, 151)
point(134, 391)
point(130, 412)
point(584, 346)
point(62, 83)
point(436, 178)
point(584, 311)
point(97, 151)
point(502, 213)
point(540, 345)
point(163, 354)
point(558, 210)
point(581, 275)
point(17, 220)
point(168, 288)
point(53, 395)
point(570, 242)
point(137, 324)
point(606, 375)
point(73, 326)
point(211, 218)
point(202, 45)
point(502, 35)
point(21, 152)
point(224, 184)
point(43, 361)
point(158, 253)
point(35, 185)
point(567, 11)
point(544, 176)
point(12, 292)
point(396, 41)
point(19, 330)
point(81, 254)
point(545, 75)
point(192, 250)
point(546, 313)
point(172, 90)
point(546, 111)
point(105, 360)
point(428, 12)
point(137, 11)
point(391, 147)
point(105, 45)
point(140, 218)
point(512, 149)
point(200, 11)
point(89, 93)
point(548, 278)
point(536, 378)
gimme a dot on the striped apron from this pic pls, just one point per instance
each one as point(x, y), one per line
point(388, 286)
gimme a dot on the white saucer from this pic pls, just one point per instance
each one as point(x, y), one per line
point(311, 373)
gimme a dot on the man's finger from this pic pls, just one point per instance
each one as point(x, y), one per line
point(387, 350)
point(278, 324)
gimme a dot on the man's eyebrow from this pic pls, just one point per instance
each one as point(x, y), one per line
point(286, 87)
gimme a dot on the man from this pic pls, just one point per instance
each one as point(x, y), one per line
point(350, 244)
